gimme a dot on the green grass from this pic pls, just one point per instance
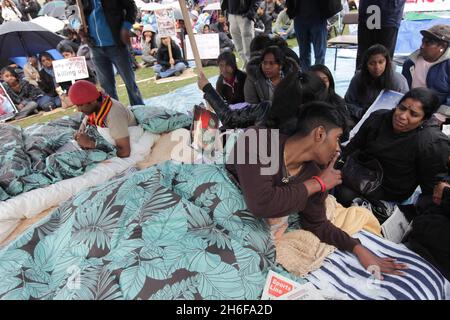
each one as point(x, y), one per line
point(148, 89)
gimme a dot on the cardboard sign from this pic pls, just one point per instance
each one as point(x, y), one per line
point(165, 19)
point(7, 108)
point(427, 5)
point(70, 69)
point(208, 46)
point(277, 286)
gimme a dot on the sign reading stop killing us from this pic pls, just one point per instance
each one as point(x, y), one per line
point(70, 69)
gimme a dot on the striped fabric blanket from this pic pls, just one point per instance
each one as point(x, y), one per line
point(342, 273)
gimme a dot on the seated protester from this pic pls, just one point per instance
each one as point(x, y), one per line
point(31, 71)
point(85, 51)
point(149, 47)
point(376, 74)
point(284, 26)
point(430, 65)
point(299, 87)
point(169, 66)
point(72, 38)
point(333, 98)
point(47, 80)
point(265, 73)
point(104, 112)
point(26, 97)
point(298, 175)
point(263, 22)
point(225, 42)
point(411, 152)
point(272, 8)
point(208, 62)
point(222, 25)
point(230, 84)
point(67, 52)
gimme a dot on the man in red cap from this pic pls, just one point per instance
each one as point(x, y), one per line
point(103, 112)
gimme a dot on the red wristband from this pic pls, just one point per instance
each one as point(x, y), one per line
point(322, 184)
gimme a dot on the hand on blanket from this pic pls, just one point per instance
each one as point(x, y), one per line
point(385, 265)
point(84, 141)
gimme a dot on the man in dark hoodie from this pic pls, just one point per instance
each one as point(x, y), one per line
point(241, 15)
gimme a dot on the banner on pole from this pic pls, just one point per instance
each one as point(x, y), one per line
point(165, 19)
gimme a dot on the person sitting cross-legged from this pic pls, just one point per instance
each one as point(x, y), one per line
point(170, 61)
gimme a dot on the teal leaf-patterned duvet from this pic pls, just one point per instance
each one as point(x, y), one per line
point(168, 232)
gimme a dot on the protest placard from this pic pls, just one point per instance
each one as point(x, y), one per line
point(7, 107)
point(208, 46)
point(70, 69)
point(165, 19)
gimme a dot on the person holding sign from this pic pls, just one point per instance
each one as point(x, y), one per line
point(170, 60)
point(103, 112)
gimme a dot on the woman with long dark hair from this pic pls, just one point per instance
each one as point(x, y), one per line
point(376, 74)
point(333, 98)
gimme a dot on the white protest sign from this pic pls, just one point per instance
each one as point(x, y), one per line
point(70, 69)
point(427, 5)
point(165, 19)
point(208, 46)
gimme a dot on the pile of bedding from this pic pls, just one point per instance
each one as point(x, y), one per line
point(29, 160)
point(177, 231)
point(157, 234)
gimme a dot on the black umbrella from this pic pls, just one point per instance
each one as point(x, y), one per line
point(21, 39)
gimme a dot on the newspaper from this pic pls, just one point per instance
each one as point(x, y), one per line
point(396, 227)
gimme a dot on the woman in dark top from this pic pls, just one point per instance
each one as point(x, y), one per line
point(376, 74)
point(26, 97)
point(333, 98)
point(411, 151)
point(230, 84)
point(169, 63)
point(295, 89)
point(292, 181)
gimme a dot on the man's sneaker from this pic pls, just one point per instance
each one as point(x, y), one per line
point(158, 77)
point(177, 74)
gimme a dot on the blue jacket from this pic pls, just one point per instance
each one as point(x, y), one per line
point(438, 77)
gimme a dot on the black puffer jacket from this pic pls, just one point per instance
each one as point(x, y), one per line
point(256, 88)
point(116, 12)
point(254, 114)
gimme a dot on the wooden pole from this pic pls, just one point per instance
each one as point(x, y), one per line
point(82, 17)
point(187, 23)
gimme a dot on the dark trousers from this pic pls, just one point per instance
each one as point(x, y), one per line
point(307, 34)
point(387, 36)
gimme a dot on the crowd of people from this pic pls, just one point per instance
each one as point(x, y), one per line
point(278, 90)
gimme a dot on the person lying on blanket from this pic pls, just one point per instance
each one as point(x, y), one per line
point(281, 174)
point(104, 112)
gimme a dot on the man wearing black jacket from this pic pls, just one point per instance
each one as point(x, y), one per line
point(241, 15)
point(109, 23)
